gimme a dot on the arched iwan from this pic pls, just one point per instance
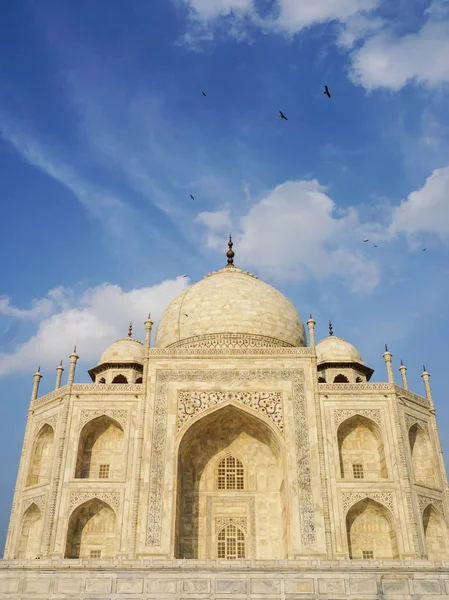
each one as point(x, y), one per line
point(370, 531)
point(100, 450)
point(39, 471)
point(91, 531)
point(224, 459)
point(361, 450)
point(30, 533)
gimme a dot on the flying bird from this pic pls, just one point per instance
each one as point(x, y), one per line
point(374, 245)
point(192, 197)
point(326, 91)
point(204, 94)
point(283, 116)
point(365, 241)
point(184, 275)
point(424, 249)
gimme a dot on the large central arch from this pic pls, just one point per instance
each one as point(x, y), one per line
point(231, 480)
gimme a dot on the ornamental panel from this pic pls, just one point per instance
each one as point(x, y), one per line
point(39, 501)
point(424, 502)
point(341, 415)
point(121, 416)
point(192, 403)
point(411, 420)
point(351, 498)
point(111, 498)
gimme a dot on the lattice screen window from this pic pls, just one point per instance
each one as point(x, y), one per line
point(357, 471)
point(103, 472)
point(231, 543)
point(367, 554)
point(230, 474)
point(95, 553)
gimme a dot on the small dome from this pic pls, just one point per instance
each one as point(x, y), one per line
point(126, 350)
point(229, 304)
point(337, 350)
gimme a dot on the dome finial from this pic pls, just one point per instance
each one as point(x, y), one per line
point(230, 253)
point(331, 331)
point(130, 330)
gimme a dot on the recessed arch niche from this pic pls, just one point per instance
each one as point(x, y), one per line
point(361, 449)
point(41, 457)
point(435, 532)
point(424, 469)
point(30, 533)
point(100, 450)
point(244, 442)
point(92, 531)
point(370, 530)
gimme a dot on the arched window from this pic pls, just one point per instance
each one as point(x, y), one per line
point(341, 379)
point(102, 380)
point(358, 380)
point(423, 462)
point(92, 531)
point(29, 540)
point(230, 475)
point(231, 542)
point(119, 379)
point(370, 531)
point(139, 380)
point(100, 450)
point(321, 380)
point(41, 457)
point(435, 532)
point(361, 450)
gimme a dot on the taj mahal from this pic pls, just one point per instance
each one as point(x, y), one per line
point(235, 458)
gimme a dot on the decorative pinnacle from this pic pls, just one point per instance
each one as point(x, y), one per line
point(424, 368)
point(386, 348)
point(230, 253)
point(402, 364)
point(130, 330)
point(74, 350)
point(39, 369)
point(331, 331)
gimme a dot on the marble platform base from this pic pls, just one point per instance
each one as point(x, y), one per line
point(54, 579)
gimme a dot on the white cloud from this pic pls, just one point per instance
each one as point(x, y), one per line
point(289, 16)
point(392, 62)
point(92, 321)
point(425, 210)
point(295, 231)
point(57, 298)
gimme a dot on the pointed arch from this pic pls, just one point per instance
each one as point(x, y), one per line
point(30, 533)
point(120, 379)
point(100, 450)
point(423, 460)
point(231, 542)
point(370, 531)
point(39, 470)
point(223, 432)
point(435, 533)
point(91, 531)
point(361, 450)
point(340, 378)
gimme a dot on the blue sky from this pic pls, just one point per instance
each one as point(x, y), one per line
point(104, 134)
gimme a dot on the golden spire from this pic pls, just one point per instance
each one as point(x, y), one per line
point(230, 253)
point(331, 331)
point(130, 330)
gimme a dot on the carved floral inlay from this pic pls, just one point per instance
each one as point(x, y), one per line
point(111, 498)
point(221, 522)
point(341, 415)
point(39, 501)
point(411, 420)
point(120, 416)
point(191, 403)
point(351, 498)
point(424, 502)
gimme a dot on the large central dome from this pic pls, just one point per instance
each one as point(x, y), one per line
point(230, 307)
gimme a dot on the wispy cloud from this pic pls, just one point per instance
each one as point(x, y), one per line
point(91, 320)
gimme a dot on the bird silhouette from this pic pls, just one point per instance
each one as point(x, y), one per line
point(192, 197)
point(374, 245)
point(283, 116)
point(184, 275)
point(364, 241)
point(204, 94)
point(326, 91)
point(424, 249)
